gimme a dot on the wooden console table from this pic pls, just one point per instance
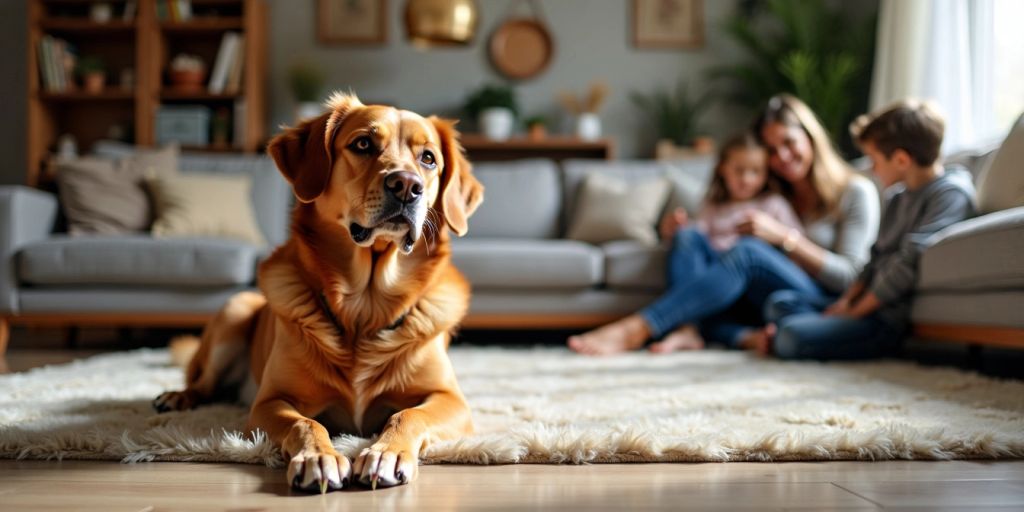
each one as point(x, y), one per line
point(480, 148)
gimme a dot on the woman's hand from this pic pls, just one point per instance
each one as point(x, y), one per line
point(763, 226)
point(671, 222)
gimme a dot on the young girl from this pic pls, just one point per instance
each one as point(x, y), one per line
point(740, 188)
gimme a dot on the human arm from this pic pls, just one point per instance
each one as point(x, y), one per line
point(897, 277)
point(671, 222)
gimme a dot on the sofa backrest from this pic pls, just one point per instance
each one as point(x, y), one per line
point(522, 199)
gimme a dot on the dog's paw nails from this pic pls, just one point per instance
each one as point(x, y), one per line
point(382, 468)
point(171, 401)
point(318, 472)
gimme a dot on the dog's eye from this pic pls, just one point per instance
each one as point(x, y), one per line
point(362, 145)
point(427, 159)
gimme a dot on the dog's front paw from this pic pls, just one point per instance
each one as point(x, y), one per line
point(174, 401)
point(319, 472)
point(382, 466)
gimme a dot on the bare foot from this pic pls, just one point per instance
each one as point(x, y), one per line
point(759, 340)
point(629, 333)
point(684, 338)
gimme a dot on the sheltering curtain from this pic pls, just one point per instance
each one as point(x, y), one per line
point(939, 50)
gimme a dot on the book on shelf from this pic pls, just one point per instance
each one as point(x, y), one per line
point(174, 10)
point(56, 59)
point(234, 82)
point(229, 50)
point(238, 124)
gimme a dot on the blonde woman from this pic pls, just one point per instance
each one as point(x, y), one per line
point(839, 211)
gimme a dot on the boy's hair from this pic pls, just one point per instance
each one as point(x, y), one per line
point(913, 126)
point(717, 191)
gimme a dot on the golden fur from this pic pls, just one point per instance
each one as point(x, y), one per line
point(364, 370)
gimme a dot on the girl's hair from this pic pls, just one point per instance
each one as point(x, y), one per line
point(717, 191)
point(829, 173)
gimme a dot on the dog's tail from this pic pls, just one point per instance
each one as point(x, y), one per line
point(182, 349)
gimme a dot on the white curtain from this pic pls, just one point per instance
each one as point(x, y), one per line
point(939, 50)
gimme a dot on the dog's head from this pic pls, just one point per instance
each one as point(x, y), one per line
point(377, 171)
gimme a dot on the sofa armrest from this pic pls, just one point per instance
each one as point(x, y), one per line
point(26, 215)
point(982, 253)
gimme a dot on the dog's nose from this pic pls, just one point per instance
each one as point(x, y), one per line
point(404, 185)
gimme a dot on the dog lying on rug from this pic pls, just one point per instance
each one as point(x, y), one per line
point(352, 325)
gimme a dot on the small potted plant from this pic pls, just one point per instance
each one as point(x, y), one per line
point(675, 115)
point(187, 73)
point(306, 82)
point(588, 123)
point(536, 127)
point(91, 70)
point(495, 108)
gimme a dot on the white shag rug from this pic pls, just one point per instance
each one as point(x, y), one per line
point(551, 406)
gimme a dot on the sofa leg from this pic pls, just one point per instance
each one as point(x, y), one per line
point(5, 336)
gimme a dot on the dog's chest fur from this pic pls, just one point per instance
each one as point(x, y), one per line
point(372, 370)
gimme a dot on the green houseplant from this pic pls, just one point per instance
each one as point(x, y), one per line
point(675, 112)
point(820, 51)
point(92, 71)
point(306, 82)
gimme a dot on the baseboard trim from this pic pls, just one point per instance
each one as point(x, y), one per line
point(1007, 337)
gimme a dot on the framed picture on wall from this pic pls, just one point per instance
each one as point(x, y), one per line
point(352, 21)
point(668, 23)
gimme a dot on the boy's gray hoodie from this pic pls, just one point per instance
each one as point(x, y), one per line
point(909, 220)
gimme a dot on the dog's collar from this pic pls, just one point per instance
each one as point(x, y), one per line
point(334, 320)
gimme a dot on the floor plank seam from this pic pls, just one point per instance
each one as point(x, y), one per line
point(865, 498)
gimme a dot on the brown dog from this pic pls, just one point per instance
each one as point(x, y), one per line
point(352, 326)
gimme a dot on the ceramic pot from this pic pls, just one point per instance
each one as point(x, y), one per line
point(497, 123)
point(307, 110)
point(588, 126)
point(94, 81)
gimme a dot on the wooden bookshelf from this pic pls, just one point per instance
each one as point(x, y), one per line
point(145, 44)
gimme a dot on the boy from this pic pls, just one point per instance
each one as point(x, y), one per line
point(873, 316)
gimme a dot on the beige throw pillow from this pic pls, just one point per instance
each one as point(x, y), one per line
point(612, 209)
point(106, 196)
point(205, 205)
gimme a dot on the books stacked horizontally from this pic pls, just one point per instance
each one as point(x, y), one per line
point(57, 59)
point(174, 10)
point(227, 69)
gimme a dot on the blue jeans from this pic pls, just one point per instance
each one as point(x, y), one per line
point(703, 284)
point(804, 333)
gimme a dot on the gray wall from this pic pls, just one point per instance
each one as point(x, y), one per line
point(592, 38)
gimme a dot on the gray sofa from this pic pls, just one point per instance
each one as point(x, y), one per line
point(524, 272)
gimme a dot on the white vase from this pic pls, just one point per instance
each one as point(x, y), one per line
point(307, 110)
point(588, 126)
point(497, 123)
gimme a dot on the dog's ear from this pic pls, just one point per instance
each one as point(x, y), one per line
point(460, 193)
point(304, 154)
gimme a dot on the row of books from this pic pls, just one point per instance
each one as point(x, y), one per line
point(57, 60)
point(226, 76)
point(174, 10)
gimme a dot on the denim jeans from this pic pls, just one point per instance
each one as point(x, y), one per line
point(804, 333)
point(705, 285)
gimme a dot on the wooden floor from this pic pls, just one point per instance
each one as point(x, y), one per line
point(901, 485)
point(110, 486)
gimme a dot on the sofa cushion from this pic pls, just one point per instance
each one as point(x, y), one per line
point(137, 260)
point(633, 266)
point(523, 200)
point(505, 263)
point(688, 178)
point(609, 209)
point(1001, 185)
point(983, 253)
point(992, 309)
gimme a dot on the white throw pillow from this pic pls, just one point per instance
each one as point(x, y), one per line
point(1001, 185)
point(612, 209)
